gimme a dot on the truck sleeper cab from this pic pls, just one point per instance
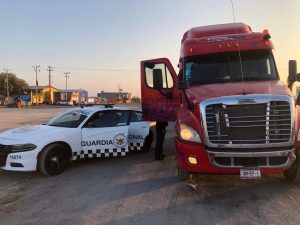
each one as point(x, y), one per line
point(232, 113)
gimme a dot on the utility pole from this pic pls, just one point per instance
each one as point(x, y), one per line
point(7, 71)
point(67, 76)
point(50, 69)
point(36, 69)
point(120, 90)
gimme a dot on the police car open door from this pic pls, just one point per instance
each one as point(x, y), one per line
point(105, 134)
point(138, 131)
point(160, 97)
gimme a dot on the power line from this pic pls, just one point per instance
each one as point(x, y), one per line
point(97, 69)
point(62, 69)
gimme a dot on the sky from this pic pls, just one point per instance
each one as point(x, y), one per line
point(101, 43)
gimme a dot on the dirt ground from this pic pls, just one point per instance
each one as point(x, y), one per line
point(137, 190)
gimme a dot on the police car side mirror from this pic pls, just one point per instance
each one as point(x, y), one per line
point(293, 75)
point(91, 125)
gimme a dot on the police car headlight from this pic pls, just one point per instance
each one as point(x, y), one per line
point(23, 147)
point(188, 133)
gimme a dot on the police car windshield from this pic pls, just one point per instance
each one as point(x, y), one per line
point(70, 119)
point(222, 68)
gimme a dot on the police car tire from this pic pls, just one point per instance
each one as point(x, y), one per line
point(293, 173)
point(148, 142)
point(53, 160)
point(182, 174)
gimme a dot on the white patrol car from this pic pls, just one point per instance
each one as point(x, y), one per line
point(78, 133)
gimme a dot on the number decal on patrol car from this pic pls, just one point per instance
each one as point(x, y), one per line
point(15, 157)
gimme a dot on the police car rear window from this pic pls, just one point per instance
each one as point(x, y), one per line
point(110, 118)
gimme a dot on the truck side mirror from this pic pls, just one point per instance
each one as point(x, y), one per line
point(183, 85)
point(298, 99)
point(293, 76)
point(157, 79)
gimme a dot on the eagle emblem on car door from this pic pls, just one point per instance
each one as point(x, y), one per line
point(120, 140)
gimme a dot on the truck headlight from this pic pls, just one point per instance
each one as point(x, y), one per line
point(188, 133)
point(22, 147)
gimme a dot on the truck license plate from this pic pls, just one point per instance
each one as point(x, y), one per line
point(250, 174)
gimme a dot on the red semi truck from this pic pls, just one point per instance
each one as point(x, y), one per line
point(233, 114)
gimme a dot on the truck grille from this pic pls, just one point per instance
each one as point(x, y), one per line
point(251, 161)
point(263, 123)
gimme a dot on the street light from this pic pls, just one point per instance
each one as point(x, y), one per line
point(67, 76)
point(36, 69)
point(7, 71)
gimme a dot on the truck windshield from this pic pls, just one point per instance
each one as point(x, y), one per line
point(221, 68)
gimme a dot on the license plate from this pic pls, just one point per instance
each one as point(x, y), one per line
point(250, 174)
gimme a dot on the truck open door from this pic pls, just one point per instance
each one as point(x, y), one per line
point(160, 97)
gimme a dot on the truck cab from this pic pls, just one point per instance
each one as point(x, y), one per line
point(233, 115)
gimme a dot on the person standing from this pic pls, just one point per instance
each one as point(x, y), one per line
point(160, 137)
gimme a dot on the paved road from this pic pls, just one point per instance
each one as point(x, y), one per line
point(138, 190)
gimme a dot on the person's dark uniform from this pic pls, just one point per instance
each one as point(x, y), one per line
point(160, 137)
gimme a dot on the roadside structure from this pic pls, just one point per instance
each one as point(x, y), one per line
point(43, 93)
point(115, 97)
point(77, 96)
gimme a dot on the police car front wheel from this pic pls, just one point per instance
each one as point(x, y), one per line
point(53, 160)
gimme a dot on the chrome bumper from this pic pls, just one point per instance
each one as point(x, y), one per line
point(266, 157)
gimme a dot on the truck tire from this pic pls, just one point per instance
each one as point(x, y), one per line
point(148, 142)
point(182, 174)
point(293, 173)
point(53, 160)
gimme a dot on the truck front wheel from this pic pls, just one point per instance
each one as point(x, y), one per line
point(293, 173)
point(182, 174)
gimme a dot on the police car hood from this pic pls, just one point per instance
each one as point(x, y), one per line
point(31, 133)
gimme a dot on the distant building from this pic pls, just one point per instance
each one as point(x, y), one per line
point(44, 94)
point(115, 97)
point(76, 95)
point(94, 100)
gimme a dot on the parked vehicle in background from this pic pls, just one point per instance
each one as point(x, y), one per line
point(69, 103)
point(232, 113)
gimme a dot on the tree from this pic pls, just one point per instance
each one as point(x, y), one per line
point(16, 86)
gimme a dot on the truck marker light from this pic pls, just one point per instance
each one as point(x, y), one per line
point(265, 32)
point(220, 46)
point(266, 37)
point(190, 50)
point(228, 45)
point(192, 160)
